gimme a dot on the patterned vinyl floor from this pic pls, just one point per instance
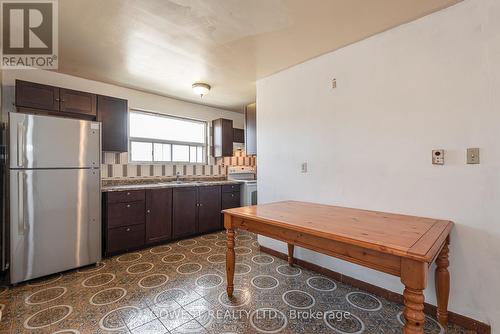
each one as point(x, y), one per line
point(180, 288)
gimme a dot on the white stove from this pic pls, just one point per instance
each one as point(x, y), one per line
point(247, 176)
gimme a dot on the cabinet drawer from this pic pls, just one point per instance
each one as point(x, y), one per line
point(124, 238)
point(125, 214)
point(230, 200)
point(229, 188)
point(125, 196)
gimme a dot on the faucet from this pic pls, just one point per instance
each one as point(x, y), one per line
point(177, 177)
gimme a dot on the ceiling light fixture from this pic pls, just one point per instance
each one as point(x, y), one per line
point(201, 88)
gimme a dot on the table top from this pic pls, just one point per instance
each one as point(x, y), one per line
point(412, 237)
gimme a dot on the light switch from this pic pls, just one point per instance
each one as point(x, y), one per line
point(438, 157)
point(303, 167)
point(473, 156)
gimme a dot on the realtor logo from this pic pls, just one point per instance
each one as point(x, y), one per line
point(29, 34)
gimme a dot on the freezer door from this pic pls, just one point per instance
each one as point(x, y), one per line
point(53, 142)
point(55, 221)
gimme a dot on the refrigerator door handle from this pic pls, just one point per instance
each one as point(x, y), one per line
point(20, 144)
point(21, 225)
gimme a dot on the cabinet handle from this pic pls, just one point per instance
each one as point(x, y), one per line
point(232, 195)
point(128, 194)
point(58, 100)
point(21, 227)
point(128, 229)
point(128, 205)
point(20, 144)
point(148, 211)
point(201, 204)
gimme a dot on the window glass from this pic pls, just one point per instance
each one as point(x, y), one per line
point(199, 154)
point(166, 128)
point(192, 153)
point(141, 151)
point(180, 153)
point(162, 138)
point(162, 152)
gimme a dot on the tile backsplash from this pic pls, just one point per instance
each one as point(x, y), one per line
point(116, 165)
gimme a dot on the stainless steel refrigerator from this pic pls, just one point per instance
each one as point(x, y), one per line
point(54, 194)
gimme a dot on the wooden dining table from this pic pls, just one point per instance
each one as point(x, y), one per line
point(400, 245)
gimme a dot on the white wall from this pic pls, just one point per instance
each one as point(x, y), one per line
point(432, 83)
point(137, 99)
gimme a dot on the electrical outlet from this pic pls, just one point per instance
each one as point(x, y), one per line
point(334, 83)
point(303, 167)
point(472, 156)
point(438, 157)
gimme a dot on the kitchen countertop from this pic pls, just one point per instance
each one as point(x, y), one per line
point(166, 184)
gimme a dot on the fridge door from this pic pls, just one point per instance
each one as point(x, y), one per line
point(53, 142)
point(55, 221)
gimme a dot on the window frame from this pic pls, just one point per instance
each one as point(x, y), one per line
point(204, 146)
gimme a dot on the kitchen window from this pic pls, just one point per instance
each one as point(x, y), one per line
point(161, 138)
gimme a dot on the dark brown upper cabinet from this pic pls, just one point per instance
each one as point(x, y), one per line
point(54, 99)
point(251, 129)
point(222, 137)
point(38, 96)
point(238, 135)
point(113, 114)
point(158, 215)
point(74, 101)
point(209, 206)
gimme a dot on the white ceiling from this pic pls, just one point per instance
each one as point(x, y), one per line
point(163, 46)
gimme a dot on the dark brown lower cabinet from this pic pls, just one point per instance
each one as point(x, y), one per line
point(125, 214)
point(138, 218)
point(185, 204)
point(158, 215)
point(230, 198)
point(124, 221)
point(124, 238)
point(209, 206)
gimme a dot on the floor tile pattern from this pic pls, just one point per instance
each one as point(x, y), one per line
point(180, 288)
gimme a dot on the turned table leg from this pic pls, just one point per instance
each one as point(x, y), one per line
point(442, 277)
point(414, 277)
point(230, 256)
point(414, 311)
point(290, 254)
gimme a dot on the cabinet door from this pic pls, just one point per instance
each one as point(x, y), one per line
point(229, 200)
point(184, 212)
point(78, 102)
point(113, 114)
point(33, 95)
point(251, 129)
point(222, 137)
point(158, 215)
point(238, 135)
point(209, 199)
